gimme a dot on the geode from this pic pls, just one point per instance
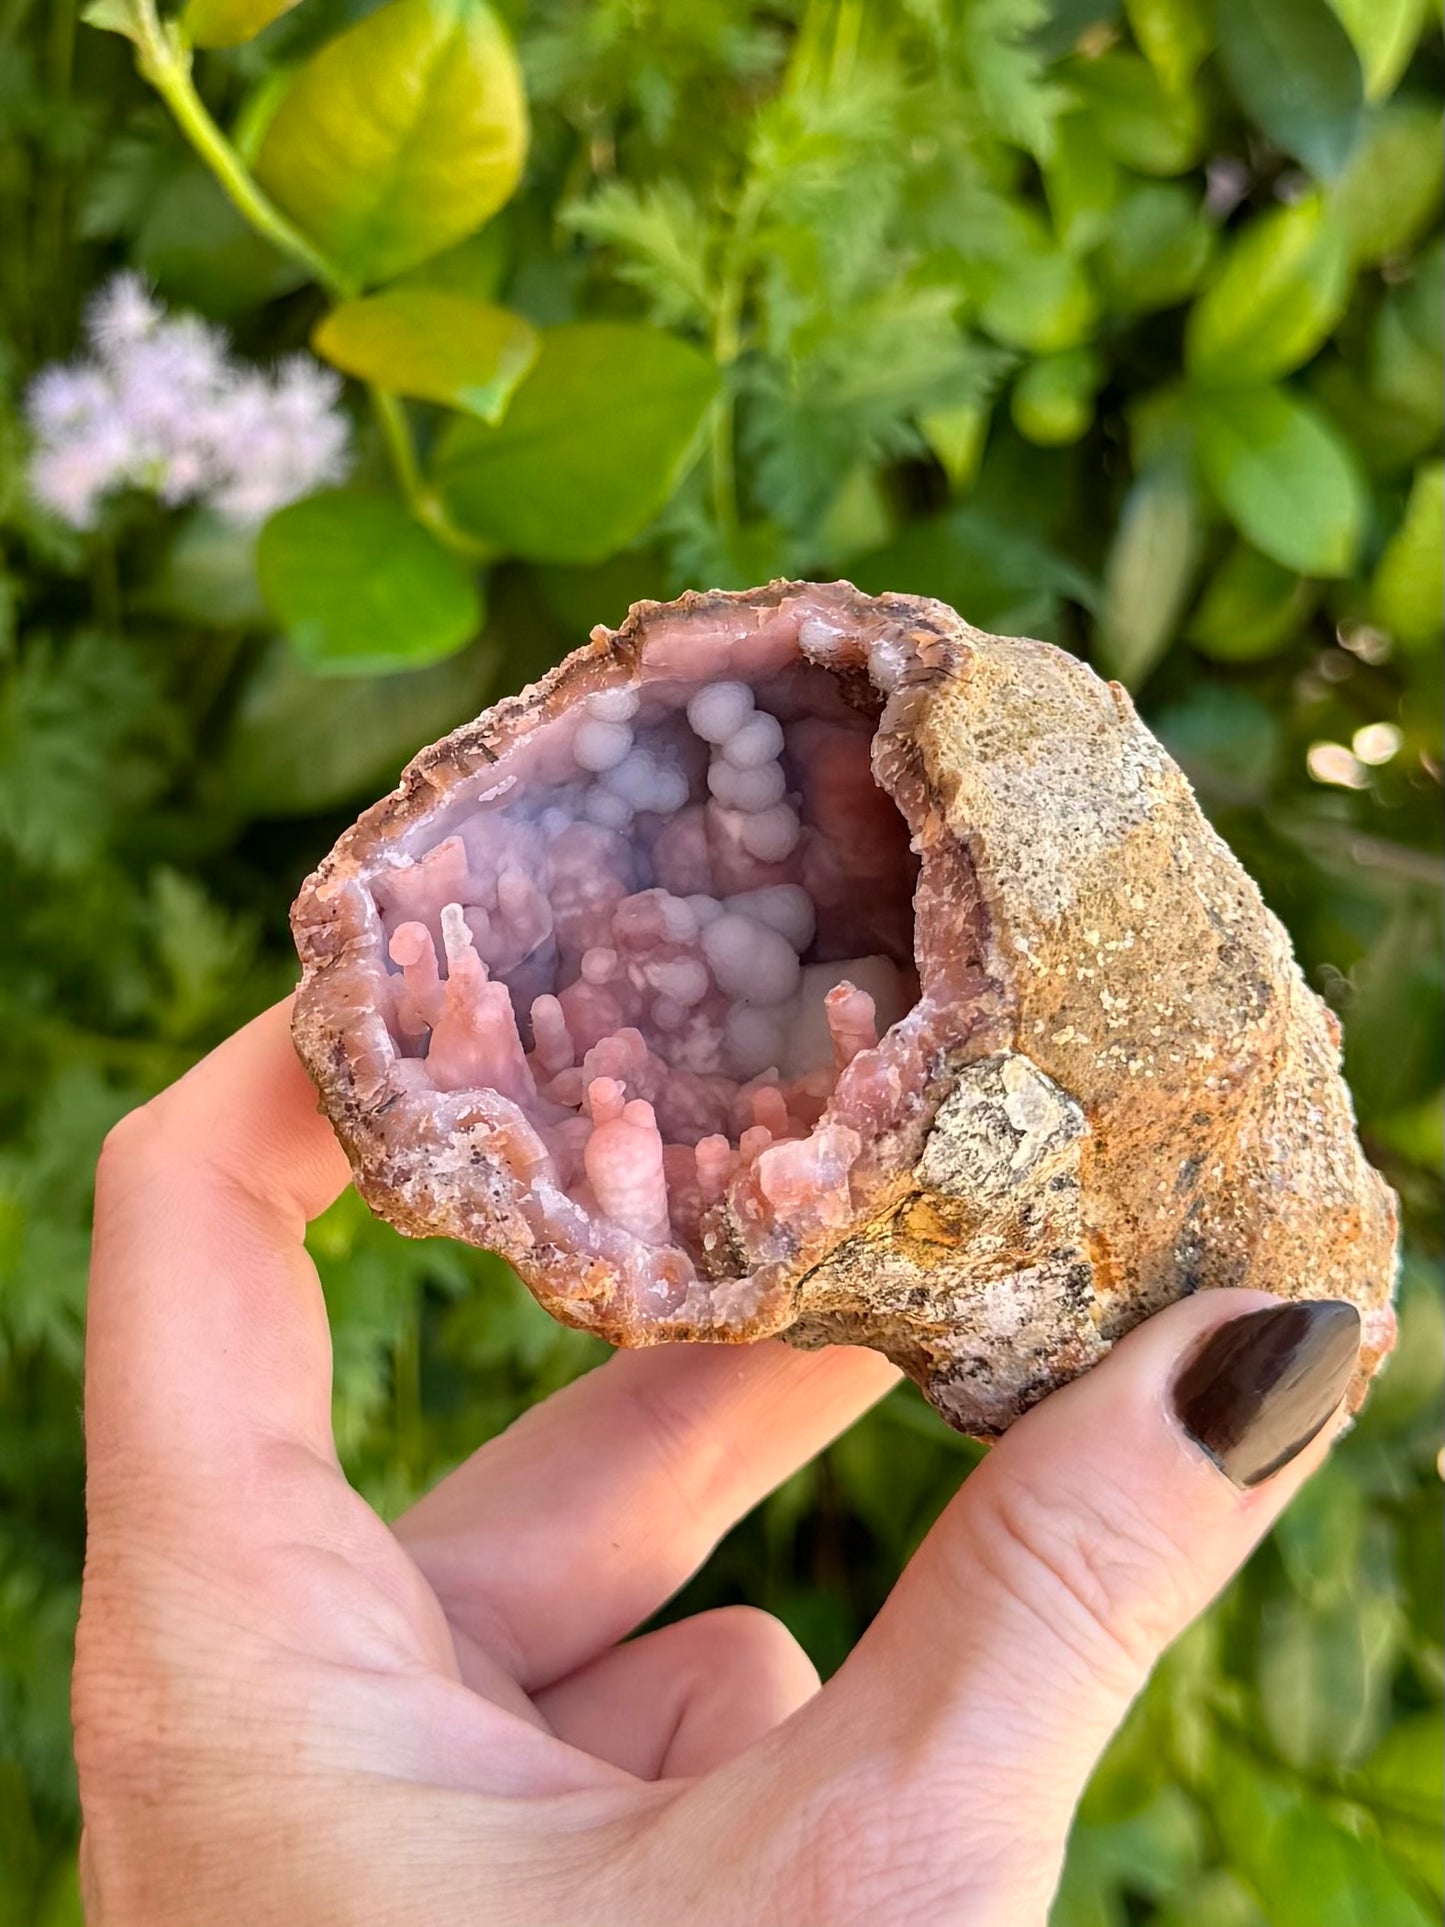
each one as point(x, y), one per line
point(809, 963)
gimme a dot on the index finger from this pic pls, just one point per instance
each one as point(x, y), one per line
point(206, 1336)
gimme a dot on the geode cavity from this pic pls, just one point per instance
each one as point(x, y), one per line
point(811, 963)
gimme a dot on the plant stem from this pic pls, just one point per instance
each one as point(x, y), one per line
point(164, 58)
point(425, 504)
point(165, 61)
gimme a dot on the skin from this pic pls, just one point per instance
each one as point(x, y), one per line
point(287, 1710)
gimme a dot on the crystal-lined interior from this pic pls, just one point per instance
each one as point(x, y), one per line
point(662, 925)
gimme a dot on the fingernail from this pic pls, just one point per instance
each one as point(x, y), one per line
point(1259, 1388)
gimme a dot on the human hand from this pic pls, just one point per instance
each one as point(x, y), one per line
point(287, 1712)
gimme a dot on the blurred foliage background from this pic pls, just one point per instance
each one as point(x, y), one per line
point(1117, 322)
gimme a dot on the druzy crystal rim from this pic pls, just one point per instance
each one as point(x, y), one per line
point(1117, 1087)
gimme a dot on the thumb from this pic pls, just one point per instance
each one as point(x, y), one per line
point(1091, 1535)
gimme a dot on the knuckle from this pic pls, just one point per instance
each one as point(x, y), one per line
point(130, 1146)
point(1096, 1568)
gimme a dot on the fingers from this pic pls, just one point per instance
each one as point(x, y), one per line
point(1090, 1536)
point(207, 1335)
point(687, 1698)
point(559, 1538)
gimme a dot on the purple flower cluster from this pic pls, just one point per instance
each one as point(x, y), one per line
point(159, 405)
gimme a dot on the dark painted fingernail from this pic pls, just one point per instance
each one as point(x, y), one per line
point(1259, 1388)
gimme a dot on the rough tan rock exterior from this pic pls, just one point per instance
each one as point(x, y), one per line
point(1140, 1099)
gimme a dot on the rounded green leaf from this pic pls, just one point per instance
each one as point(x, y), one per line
point(1053, 399)
point(1044, 303)
point(590, 448)
point(1249, 608)
point(1158, 244)
point(1384, 33)
point(1277, 295)
point(400, 136)
point(1081, 180)
point(1284, 476)
point(360, 588)
point(1293, 70)
point(1408, 592)
point(227, 23)
point(1390, 191)
point(1175, 35)
point(1150, 571)
point(201, 254)
point(434, 344)
point(301, 742)
point(1142, 124)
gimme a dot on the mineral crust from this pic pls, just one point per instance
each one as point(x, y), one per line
point(808, 963)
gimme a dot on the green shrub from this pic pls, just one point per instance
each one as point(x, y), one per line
point(1119, 325)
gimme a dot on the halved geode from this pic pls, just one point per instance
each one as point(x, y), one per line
point(809, 963)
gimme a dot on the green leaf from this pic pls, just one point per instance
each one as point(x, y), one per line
point(1384, 33)
point(1275, 299)
point(208, 575)
point(400, 136)
point(1401, 1782)
point(1053, 399)
point(1390, 191)
point(996, 575)
point(1407, 595)
point(1157, 246)
point(1030, 293)
point(201, 254)
point(1216, 1899)
point(227, 23)
point(433, 344)
point(1407, 352)
point(1174, 36)
point(1324, 1676)
point(660, 236)
point(1142, 124)
point(1294, 71)
point(300, 743)
point(1149, 572)
point(113, 16)
point(362, 589)
point(1250, 607)
point(1284, 477)
point(1311, 1873)
point(590, 449)
point(1082, 182)
point(956, 436)
point(1225, 740)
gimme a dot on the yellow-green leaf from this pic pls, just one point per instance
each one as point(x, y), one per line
point(590, 448)
point(1384, 33)
point(1030, 292)
point(1150, 571)
point(433, 344)
point(1143, 124)
point(1275, 299)
point(1053, 399)
point(400, 136)
point(1082, 182)
point(227, 23)
point(1284, 476)
point(1389, 193)
point(1157, 247)
point(1174, 36)
point(1408, 592)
